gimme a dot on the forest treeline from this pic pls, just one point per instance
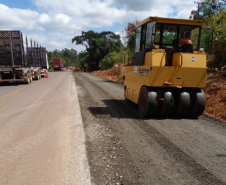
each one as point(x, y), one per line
point(68, 56)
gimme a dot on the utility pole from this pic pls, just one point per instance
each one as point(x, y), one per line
point(198, 6)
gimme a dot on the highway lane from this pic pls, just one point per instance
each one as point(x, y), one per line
point(6, 89)
point(41, 133)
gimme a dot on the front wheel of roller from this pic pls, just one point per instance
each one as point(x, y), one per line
point(147, 102)
point(198, 103)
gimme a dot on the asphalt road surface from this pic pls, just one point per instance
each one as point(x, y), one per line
point(41, 133)
point(76, 128)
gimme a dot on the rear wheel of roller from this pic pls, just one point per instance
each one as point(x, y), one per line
point(198, 103)
point(167, 104)
point(182, 103)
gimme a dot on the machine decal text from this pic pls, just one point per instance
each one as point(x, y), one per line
point(144, 72)
point(193, 59)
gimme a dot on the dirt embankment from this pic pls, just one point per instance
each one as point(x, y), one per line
point(215, 91)
point(216, 95)
point(112, 74)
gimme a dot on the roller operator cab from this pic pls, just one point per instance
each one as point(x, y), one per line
point(167, 75)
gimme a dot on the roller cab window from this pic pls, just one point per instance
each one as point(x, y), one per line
point(169, 34)
point(173, 35)
point(150, 35)
point(138, 40)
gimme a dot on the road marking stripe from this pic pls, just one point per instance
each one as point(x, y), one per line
point(8, 96)
point(15, 92)
point(33, 84)
point(12, 92)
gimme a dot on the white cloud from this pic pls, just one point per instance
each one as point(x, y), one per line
point(55, 40)
point(55, 23)
point(3, 7)
point(12, 18)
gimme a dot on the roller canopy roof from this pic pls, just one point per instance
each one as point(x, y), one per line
point(172, 21)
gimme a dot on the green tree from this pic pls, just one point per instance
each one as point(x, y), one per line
point(98, 45)
point(129, 42)
point(109, 60)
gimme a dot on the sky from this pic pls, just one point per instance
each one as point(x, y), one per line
point(53, 23)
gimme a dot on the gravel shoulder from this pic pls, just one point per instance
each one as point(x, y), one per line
point(123, 148)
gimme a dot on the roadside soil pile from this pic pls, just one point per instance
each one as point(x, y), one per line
point(216, 95)
point(111, 74)
point(215, 90)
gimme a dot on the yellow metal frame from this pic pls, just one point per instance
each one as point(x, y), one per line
point(191, 74)
point(172, 21)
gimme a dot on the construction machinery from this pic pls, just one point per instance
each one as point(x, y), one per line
point(165, 78)
point(76, 68)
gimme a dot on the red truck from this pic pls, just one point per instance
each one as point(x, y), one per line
point(57, 64)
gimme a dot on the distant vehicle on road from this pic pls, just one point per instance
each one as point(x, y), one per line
point(57, 64)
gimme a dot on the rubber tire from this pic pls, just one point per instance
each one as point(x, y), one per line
point(31, 79)
point(27, 81)
point(182, 104)
point(198, 103)
point(147, 102)
point(36, 77)
point(168, 104)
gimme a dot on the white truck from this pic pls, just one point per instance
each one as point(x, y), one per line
point(12, 59)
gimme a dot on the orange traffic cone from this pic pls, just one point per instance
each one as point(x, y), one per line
point(47, 76)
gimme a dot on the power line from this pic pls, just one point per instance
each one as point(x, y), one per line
point(185, 11)
point(182, 12)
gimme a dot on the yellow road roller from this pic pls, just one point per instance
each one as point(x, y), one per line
point(169, 69)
